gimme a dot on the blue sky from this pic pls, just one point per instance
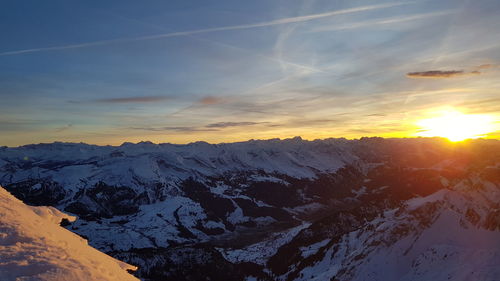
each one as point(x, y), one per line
point(178, 71)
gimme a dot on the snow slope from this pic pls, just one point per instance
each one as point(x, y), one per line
point(34, 247)
point(444, 236)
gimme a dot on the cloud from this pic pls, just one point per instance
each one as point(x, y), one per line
point(314, 122)
point(207, 128)
point(210, 100)
point(440, 73)
point(205, 30)
point(485, 66)
point(451, 73)
point(19, 124)
point(231, 124)
point(63, 128)
point(133, 99)
point(175, 129)
point(374, 132)
point(482, 106)
point(384, 21)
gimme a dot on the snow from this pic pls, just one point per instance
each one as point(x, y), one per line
point(259, 252)
point(359, 192)
point(312, 249)
point(158, 170)
point(70, 163)
point(237, 216)
point(52, 214)
point(445, 247)
point(307, 208)
point(444, 250)
point(34, 247)
point(268, 179)
point(418, 202)
point(153, 226)
point(429, 250)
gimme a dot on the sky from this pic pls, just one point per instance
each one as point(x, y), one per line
point(108, 72)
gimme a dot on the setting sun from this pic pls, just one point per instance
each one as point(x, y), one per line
point(456, 126)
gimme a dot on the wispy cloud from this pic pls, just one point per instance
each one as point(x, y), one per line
point(279, 46)
point(215, 29)
point(210, 100)
point(278, 58)
point(207, 128)
point(487, 66)
point(174, 129)
point(440, 73)
point(231, 124)
point(146, 99)
point(480, 69)
point(383, 21)
point(63, 128)
point(19, 124)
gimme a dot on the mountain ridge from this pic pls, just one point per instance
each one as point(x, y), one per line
point(175, 209)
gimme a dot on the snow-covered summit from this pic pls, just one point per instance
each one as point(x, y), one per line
point(34, 247)
point(293, 157)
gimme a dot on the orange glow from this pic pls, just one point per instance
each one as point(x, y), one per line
point(456, 126)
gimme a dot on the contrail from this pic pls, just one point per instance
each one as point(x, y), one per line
point(274, 59)
point(384, 21)
point(280, 61)
point(206, 30)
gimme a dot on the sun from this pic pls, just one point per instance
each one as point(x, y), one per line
point(456, 126)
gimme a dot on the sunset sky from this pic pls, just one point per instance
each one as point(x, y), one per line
point(106, 72)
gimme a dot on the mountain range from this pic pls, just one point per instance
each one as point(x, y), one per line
point(292, 209)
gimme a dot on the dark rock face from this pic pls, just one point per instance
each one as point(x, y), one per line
point(333, 186)
point(106, 201)
point(218, 207)
point(493, 220)
point(251, 209)
point(405, 182)
point(273, 193)
point(201, 262)
point(65, 222)
point(37, 192)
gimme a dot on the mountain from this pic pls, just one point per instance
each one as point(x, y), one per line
point(34, 247)
point(333, 209)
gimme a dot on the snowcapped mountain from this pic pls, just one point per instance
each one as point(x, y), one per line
point(452, 234)
point(165, 187)
point(334, 209)
point(34, 247)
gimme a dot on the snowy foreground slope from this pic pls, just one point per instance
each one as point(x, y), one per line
point(34, 247)
point(370, 209)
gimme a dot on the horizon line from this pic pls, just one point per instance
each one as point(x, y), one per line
point(250, 140)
